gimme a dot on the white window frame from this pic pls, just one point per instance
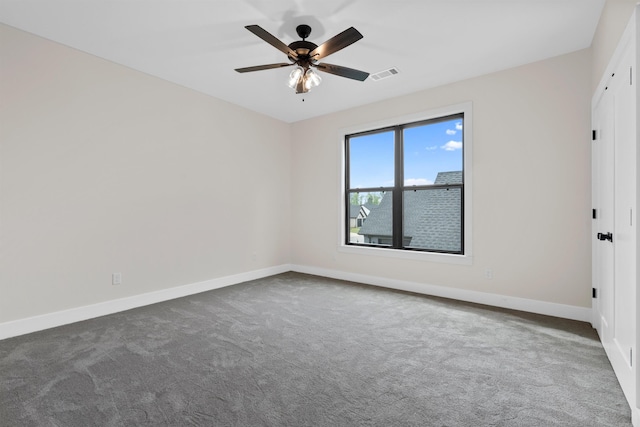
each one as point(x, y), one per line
point(467, 257)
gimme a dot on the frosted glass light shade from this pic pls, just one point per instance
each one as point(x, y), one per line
point(312, 79)
point(295, 75)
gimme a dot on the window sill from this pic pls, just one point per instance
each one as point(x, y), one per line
point(410, 255)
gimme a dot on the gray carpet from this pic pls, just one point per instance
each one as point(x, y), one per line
point(299, 350)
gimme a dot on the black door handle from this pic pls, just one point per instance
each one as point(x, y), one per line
point(605, 236)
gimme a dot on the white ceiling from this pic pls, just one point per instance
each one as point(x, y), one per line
point(199, 43)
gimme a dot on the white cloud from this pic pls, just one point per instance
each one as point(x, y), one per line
point(417, 181)
point(452, 146)
point(459, 126)
point(451, 132)
point(433, 147)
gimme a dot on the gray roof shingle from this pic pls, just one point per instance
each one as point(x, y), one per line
point(353, 211)
point(432, 217)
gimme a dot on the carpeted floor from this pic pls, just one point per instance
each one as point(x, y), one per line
point(300, 350)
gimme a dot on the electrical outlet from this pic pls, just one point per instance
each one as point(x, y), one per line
point(116, 279)
point(488, 273)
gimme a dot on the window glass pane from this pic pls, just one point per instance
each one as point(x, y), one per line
point(370, 219)
point(432, 219)
point(371, 160)
point(431, 149)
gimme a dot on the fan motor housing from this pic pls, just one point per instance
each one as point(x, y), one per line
point(302, 48)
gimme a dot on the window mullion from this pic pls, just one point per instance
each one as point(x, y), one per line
point(397, 190)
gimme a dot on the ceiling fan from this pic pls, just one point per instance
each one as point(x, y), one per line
point(305, 55)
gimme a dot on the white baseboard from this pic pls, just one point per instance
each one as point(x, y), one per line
point(59, 318)
point(532, 306)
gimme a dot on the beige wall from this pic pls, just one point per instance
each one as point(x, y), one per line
point(531, 193)
point(613, 21)
point(104, 169)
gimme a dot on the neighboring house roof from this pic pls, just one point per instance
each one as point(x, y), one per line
point(432, 217)
point(361, 211)
point(353, 211)
point(378, 222)
point(453, 177)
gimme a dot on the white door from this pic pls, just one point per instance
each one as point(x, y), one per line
point(614, 229)
point(624, 207)
point(603, 203)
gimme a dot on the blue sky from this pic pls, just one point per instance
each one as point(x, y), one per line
point(428, 149)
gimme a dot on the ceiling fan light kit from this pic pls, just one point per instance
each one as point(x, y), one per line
point(303, 80)
point(305, 55)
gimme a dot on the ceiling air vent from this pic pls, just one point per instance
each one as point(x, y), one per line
point(384, 74)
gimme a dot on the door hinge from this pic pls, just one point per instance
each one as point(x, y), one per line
point(593, 135)
point(593, 214)
point(594, 293)
point(631, 357)
point(630, 76)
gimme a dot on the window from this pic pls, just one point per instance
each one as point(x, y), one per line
point(405, 186)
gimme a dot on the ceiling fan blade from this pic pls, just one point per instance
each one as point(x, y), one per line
point(263, 67)
point(334, 44)
point(272, 40)
point(341, 71)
